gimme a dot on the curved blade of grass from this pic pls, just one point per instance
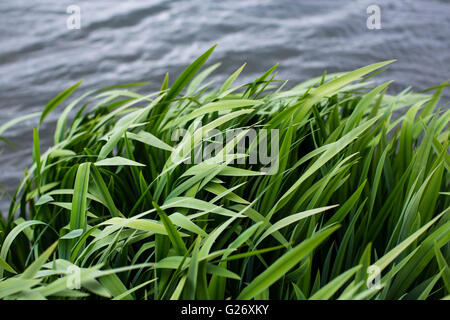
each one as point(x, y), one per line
point(290, 220)
point(5, 266)
point(104, 193)
point(31, 271)
point(334, 285)
point(443, 265)
point(282, 265)
point(79, 206)
point(117, 162)
point(17, 120)
point(384, 261)
point(173, 234)
point(331, 87)
point(57, 101)
point(181, 82)
point(12, 236)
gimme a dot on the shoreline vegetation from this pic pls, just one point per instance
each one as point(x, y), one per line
point(358, 207)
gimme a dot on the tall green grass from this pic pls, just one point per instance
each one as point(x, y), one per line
point(106, 213)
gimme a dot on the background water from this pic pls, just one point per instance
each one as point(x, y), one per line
point(131, 41)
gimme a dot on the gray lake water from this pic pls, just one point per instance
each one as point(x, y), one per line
point(131, 41)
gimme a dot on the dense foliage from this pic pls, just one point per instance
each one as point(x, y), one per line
point(361, 187)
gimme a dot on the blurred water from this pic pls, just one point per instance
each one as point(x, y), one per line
point(130, 41)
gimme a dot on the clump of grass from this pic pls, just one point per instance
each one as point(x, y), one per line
point(359, 196)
